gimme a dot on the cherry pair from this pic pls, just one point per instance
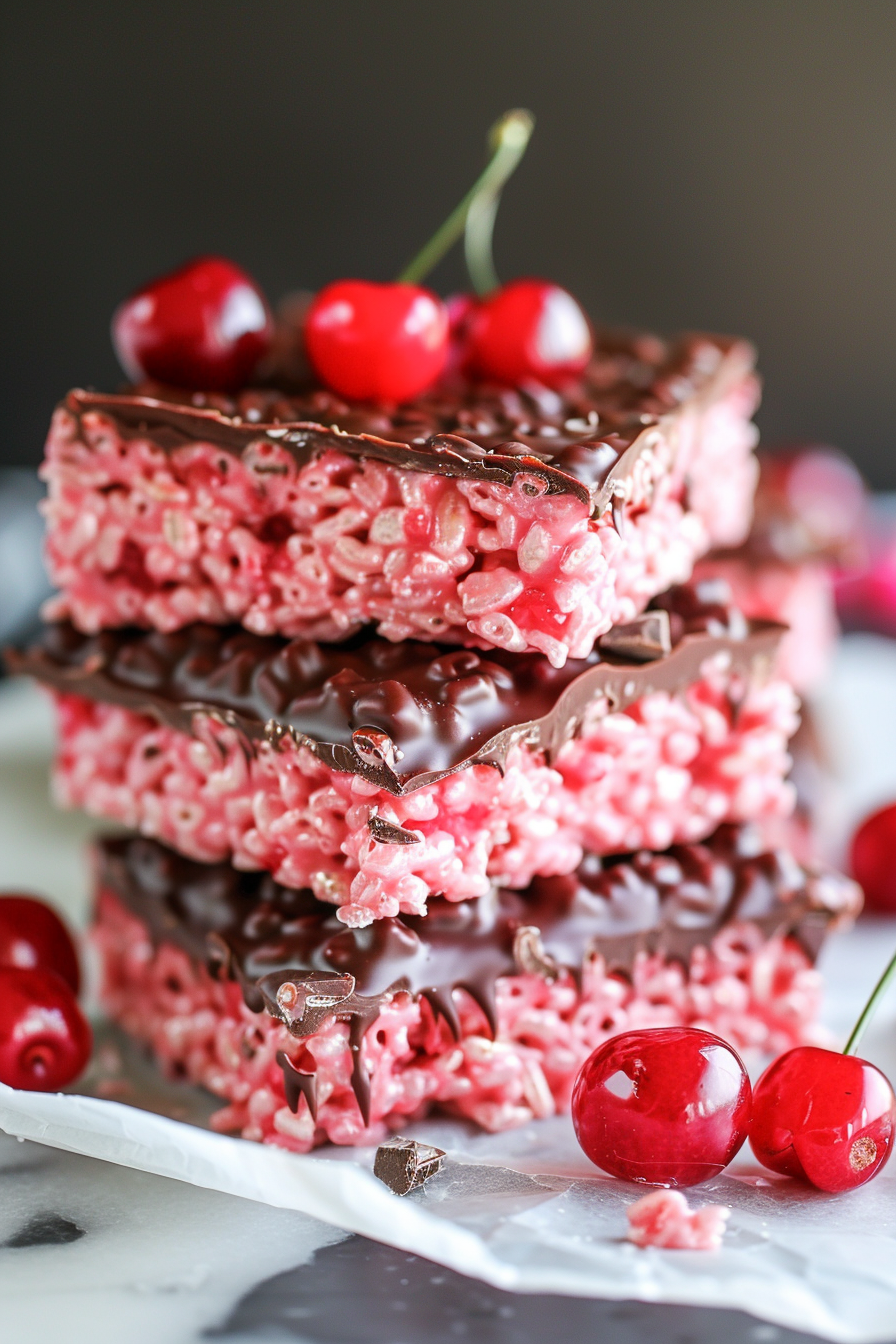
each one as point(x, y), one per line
point(390, 342)
point(45, 1040)
point(673, 1105)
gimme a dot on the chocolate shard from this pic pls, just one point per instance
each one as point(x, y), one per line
point(278, 733)
point(387, 833)
point(404, 1164)
point(644, 640)
point(530, 956)
point(304, 1000)
point(375, 748)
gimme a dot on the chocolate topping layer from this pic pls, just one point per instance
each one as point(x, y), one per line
point(401, 715)
point(582, 441)
point(294, 958)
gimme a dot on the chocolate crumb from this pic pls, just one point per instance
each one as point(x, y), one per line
point(387, 833)
point(643, 640)
point(404, 1164)
point(530, 956)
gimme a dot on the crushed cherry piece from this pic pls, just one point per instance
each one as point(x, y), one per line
point(33, 937)
point(375, 342)
point(823, 1117)
point(204, 326)
point(663, 1218)
point(664, 1105)
point(528, 330)
point(45, 1040)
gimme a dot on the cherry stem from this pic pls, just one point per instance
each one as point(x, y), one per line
point(871, 1007)
point(507, 141)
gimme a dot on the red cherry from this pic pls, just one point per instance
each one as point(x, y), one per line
point(823, 1117)
point(666, 1106)
point(529, 329)
point(873, 859)
point(206, 326)
point(45, 1040)
point(372, 342)
point(32, 936)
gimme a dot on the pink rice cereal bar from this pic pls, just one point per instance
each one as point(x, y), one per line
point(665, 1219)
point(379, 774)
point(521, 519)
point(310, 1031)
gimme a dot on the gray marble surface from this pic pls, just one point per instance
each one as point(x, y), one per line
point(96, 1254)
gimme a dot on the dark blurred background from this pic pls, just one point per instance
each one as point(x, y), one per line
point(726, 164)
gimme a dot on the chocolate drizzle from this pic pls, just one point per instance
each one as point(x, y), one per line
point(294, 958)
point(297, 1085)
point(399, 715)
point(582, 441)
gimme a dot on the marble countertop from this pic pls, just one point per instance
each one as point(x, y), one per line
point(96, 1254)
point(91, 1253)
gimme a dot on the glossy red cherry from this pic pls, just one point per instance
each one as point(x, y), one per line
point(823, 1117)
point(32, 936)
point(527, 330)
point(873, 859)
point(45, 1040)
point(205, 326)
point(373, 342)
point(666, 1105)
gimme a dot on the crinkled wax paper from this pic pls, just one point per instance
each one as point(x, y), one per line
point(524, 1210)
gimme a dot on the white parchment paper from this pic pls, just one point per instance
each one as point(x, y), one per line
point(523, 1211)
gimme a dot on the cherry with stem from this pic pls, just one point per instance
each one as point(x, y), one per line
point(871, 1007)
point(824, 1117)
point(388, 343)
point(527, 330)
point(475, 214)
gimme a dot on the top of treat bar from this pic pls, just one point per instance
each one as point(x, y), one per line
point(582, 439)
point(400, 715)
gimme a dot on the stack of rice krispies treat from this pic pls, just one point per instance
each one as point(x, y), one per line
point(439, 767)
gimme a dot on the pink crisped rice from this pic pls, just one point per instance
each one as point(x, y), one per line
point(670, 768)
point(138, 535)
point(757, 993)
point(663, 1218)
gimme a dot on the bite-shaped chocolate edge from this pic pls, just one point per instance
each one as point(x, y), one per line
point(587, 447)
point(401, 716)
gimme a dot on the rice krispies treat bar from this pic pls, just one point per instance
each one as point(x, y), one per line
point(521, 519)
point(380, 774)
point(311, 1032)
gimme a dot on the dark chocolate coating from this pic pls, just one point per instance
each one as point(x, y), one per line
point(269, 937)
point(401, 715)
point(575, 441)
